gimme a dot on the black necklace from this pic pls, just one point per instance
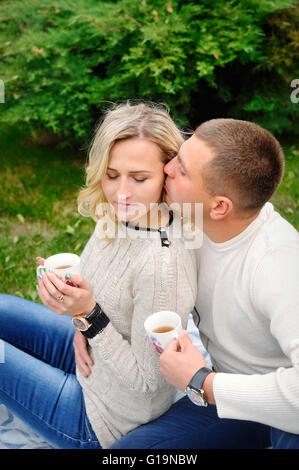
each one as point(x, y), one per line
point(162, 231)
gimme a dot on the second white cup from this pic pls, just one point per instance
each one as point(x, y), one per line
point(162, 327)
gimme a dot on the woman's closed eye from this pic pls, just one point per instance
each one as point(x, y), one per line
point(138, 180)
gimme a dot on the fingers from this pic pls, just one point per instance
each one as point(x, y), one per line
point(48, 284)
point(55, 285)
point(41, 294)
point(83, 365)
point(82, 356)
point(66, 287)
point(180, 344)
point(173, 346)
point(48, 300)
point(48, 294)
point(78, 280)
point(184, 340)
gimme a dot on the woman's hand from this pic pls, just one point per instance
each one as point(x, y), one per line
point(65, 299)
point(82, 356)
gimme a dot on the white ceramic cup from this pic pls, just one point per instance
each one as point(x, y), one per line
point(54, 262)
point(162, 319)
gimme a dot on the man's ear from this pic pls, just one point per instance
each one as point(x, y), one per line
point(221, 206)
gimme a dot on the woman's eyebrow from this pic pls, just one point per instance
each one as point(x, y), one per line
point(131, 172)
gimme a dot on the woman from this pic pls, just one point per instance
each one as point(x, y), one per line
point(132, 266)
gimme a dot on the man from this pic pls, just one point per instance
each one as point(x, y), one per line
point(248, 300)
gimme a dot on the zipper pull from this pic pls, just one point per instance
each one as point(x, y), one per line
point(164, 239)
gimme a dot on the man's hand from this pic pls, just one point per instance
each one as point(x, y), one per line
point(82, 357)
point(180, 361)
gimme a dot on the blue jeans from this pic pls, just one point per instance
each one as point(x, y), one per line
point(187, 426)
point(37, 374)
point(38, 384)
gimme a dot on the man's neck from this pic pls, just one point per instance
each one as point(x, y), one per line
point(223, 230)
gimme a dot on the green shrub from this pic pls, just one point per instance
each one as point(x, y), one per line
point(62, 61)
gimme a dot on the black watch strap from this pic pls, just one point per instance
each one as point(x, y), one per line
point(98, 320)
point(199, 378)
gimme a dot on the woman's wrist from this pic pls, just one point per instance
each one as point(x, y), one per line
point(89, 307)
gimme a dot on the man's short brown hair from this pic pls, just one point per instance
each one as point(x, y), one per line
point(248, 164)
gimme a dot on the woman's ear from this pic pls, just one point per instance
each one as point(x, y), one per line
point(221, 206)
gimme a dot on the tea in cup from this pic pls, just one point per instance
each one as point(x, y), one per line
point(61, 264)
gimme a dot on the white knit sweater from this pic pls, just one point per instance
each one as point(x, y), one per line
point(131, 278)
point(248, 301)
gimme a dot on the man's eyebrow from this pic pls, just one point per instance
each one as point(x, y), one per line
point(131, 172)
point(181, 162)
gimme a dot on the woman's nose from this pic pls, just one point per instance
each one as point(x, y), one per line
point(124, 191)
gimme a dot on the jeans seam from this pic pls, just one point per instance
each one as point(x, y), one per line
point(87, 427)
point(48, 424)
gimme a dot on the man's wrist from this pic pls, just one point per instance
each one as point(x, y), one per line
point(207, 387)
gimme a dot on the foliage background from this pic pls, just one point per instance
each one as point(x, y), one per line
point(62, 61)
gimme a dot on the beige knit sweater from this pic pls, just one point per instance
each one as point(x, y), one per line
point(131, 278)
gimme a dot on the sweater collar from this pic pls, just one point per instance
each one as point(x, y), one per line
point(149, 229)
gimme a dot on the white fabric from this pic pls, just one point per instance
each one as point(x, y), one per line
point(248, 300)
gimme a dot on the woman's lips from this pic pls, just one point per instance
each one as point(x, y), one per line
point(124, 204)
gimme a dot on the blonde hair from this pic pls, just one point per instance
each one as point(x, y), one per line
point(147, 121)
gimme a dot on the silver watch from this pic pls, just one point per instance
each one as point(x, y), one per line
point(194, 389)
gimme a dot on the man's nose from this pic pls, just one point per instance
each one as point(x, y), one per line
point(169, 169)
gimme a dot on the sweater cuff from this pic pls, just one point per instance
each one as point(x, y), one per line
point(252, 398)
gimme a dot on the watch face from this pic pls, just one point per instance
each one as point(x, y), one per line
point(80, 323)
point(196, 396)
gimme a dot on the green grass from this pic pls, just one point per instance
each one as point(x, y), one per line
point(286, 198)
point(38, 211)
